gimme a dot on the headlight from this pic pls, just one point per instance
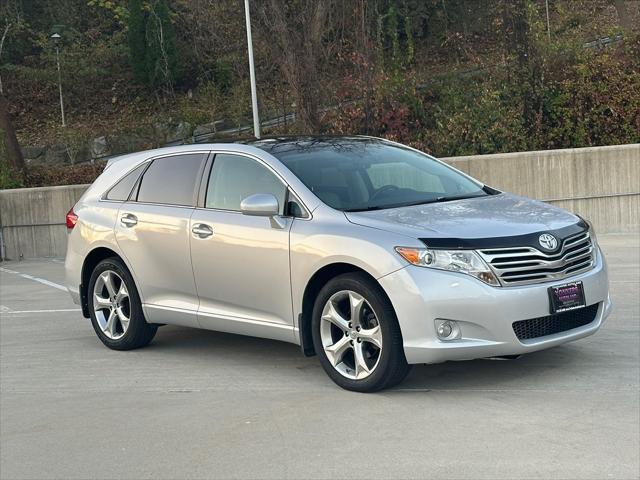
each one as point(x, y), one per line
point(463, 261)
point(592, 235)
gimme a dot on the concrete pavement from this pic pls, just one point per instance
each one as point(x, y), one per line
point(197, 404)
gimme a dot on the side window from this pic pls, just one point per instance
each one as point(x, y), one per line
point(121, 190)
point(171, 180)
point(404, 175)
point(234, 177)
point(294, 207)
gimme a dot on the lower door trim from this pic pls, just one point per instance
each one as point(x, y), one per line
point(245, 326)
point(170, 315)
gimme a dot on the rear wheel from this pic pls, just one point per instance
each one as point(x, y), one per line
point(115, 307)
point(357, 336)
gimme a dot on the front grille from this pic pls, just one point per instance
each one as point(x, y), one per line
point(522, 265)
point(559, 322)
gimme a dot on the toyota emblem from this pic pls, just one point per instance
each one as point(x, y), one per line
point(548, 241)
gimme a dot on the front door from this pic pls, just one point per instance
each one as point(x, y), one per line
point(241, 262)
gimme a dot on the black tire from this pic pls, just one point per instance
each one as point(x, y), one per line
point(139, 333)
point(392, 365)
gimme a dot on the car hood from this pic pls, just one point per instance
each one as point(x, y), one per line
point(493, 216)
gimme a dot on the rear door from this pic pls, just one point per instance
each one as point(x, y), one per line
point(152, 230)
point(241, 262)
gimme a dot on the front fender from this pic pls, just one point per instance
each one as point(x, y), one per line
point(330, 239)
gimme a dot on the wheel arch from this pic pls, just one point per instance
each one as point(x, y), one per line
point(92, 259)
point(318, 280)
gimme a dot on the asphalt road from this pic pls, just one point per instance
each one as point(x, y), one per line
point(198, 404)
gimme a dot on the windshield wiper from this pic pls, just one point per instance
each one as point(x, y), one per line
point(393, 205)
point(411, 204)
point(367, 209)
point(456, 197)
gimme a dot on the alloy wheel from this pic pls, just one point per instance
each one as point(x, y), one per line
point(112, 304)
point(351, 335)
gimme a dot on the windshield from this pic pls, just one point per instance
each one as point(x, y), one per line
point(368, 174)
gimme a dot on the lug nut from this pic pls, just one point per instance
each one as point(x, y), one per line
point(357, 329)
point(350, 326)
point(351, 342)
point(359, 340)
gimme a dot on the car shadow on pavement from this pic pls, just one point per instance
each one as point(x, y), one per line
point(548, 369)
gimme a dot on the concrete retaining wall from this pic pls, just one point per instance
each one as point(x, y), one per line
point(600, 183)
point(33, 220)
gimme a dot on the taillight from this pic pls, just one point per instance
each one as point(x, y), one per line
point(72, 219)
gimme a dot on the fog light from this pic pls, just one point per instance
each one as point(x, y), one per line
point(448, 329)
point(444, 329)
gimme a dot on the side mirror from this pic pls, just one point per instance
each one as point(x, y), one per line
point(260, 205)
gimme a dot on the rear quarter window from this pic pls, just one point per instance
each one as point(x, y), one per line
point(171, 180)
point(120, 191)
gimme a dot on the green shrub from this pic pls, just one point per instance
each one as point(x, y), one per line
point(9, 178)
point(582, 98)
point(473, 117)
point(152, 45)
point(41, 176)
point(222, 75)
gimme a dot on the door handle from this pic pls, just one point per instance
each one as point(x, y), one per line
point(128, 220)
point(201, 230)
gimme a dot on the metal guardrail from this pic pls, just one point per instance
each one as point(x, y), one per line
point(210, 136)
point(226, 134)
point(604, 41)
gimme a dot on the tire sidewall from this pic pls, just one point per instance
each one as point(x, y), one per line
point(136, 320)
point(387, 320)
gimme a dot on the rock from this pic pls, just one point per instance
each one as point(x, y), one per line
point(122, 144)
point(79, 153)
point(162, 130)
point(226, 124)
point(33, 152)
point(181, 131)
point(56, 154)
point(99, 147)
point(205, 129)
point(171, 133)
point(64, 154)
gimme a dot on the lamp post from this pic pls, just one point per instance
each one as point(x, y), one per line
point(252, 73)
point(56, 40)
point(548, 24)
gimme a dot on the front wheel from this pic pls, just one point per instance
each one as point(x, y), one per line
point(357, 336)
point(116, 309)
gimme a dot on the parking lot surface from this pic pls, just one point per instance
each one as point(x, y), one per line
point(198, 404)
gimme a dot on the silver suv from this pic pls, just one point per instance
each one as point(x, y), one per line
point(370, 254)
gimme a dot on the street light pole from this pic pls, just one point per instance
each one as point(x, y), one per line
point(252, 73)
point(548, 23)
point(56, 40)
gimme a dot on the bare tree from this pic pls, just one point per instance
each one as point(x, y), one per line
point(623, 14)
point(12, 19)
point(296, 30)
point(7, 26)
point(163, 64)
point(213, 29)
point(12, 147)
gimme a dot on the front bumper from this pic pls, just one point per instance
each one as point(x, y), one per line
point(484, 313)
